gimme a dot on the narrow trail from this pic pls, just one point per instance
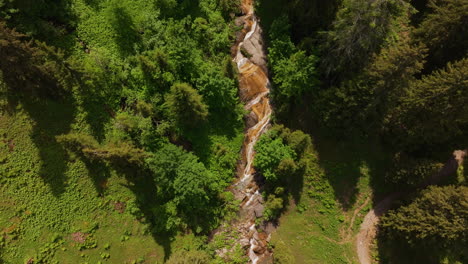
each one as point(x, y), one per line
point(368, 230)
point(254, 88)
point(349, 231)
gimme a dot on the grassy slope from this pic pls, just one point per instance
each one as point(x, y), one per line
point(320, 228)
point(47, 194)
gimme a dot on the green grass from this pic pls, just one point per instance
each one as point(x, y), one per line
point(342, 176)
point(48, 194)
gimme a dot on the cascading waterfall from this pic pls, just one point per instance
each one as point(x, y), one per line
point(254, 90)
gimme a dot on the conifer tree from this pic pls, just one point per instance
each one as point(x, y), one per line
point(444, 31)
point(436, 221)
point(186, 106)
point(358, 32)
point(32, 66)
point(392, 70)
point(18, 58)
point(364, 100)
point(433, 110)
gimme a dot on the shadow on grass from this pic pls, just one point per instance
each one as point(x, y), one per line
point(345, 161)
point(346, 158)
point(342, 164)
point(50, 118)
point(96, 110)
point(141, 183)
point(296, 184)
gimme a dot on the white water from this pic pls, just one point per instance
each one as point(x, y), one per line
point(260, 103)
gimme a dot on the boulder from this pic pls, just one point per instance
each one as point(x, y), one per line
point(258, 209)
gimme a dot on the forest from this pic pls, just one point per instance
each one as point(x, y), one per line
point(233, 131)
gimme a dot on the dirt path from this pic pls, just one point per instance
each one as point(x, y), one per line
point(368, 230)
point(349, 230)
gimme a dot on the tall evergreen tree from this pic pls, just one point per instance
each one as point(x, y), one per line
point(437, 221)
point(433, 110)
point(364, 100)
point(19, 57)
point(28, 65)
point(444, 31)
point(392, 70)
point(186, 106)
point(358, 32)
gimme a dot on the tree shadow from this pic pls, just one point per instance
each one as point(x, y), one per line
point(50, 118)
point(99, 173)
point(346, 159)
point(126, 36)
point(95, 4)
point(179, 10)
point(296, 184)
point(141, 183)
point(225, 123)
point(201, 143)
point(355, 157)
point(97, 112)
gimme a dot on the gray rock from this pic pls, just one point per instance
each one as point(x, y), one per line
point(258, 209)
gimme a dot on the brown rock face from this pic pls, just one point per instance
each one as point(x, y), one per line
point(253, 89)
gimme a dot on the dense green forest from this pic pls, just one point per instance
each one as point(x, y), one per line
point(392, 74)
point(121, 129)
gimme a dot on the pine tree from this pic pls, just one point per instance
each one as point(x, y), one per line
point(360, 29)
point(444, 31)
point(392, 70)
point(186, 106)
point(33, 66)
point(433, 110)
point(364, 100)
point(18, 63)
point(310, 16)
point(117, 152)
point(436, 221)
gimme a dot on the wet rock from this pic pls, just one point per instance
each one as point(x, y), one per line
point(240, 196)
point(251, 120)
point(258, 249)
point(260, 199)
point(256, 236)
point(239, 21)
point(269, 228)
point(244, 243)
point(254, 46)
